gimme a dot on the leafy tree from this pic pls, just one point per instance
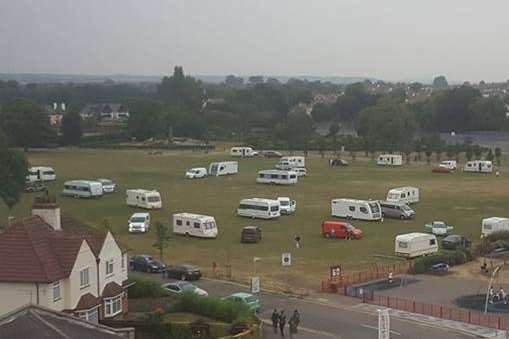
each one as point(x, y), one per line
point(298, 130)
point(440, 83)
point(469, 153)
point(72, 128)
point(322, 112)
point(355, 99)
point(145, 119)
point(477, 151)
point(489, 156)
point(498, 154)
point(487, 114)
point(13, 170)
point(162, 238)
point(418, 148)
point(333, 132)
point(180, 90)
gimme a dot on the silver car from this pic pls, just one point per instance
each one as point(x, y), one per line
point(396, 210)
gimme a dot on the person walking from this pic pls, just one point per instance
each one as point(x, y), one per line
point(294, 323)
point(282, 322)
point(275, 320)
point(297, 240)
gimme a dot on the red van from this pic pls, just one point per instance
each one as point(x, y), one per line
point(340, 229)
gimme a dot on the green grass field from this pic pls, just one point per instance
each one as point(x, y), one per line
point(460, 199)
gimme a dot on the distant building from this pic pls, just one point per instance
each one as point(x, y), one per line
point(55, 113)
point(105, 112)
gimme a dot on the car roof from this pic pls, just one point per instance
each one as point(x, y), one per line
point(241, 295)
point(140, 214)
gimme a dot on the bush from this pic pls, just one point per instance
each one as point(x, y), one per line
point(146, 288)
point(492, 241)
point(452, 258)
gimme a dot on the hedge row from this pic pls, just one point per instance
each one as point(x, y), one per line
point(145, 288)
point(452, 258)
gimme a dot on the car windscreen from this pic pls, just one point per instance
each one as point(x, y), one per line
point(439, 225)
point(349, 227)
point(405, 208)
point(250, 299)
point(274, 208)
point(284, 202)
point(137, 219)
point(187, 287)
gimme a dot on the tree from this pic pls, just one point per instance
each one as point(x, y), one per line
point(180, 90)
point(477, 151)
point(297, 130)
point(72, 128)
point(145, 119)
point(469, 153)
point(355, 99)
point(489, 156)
point(440, 83)
point(13, 171)
point(498, 154)
point(162, 238)
point(322, 112)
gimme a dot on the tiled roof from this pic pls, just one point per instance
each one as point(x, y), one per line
point(112, 289)
point(86, 302)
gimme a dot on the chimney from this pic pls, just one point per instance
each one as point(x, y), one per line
point(47, 209)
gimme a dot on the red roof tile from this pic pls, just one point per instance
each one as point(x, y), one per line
point(86, 302)
point(112, 289)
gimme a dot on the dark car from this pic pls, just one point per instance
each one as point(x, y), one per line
point(251, 234)
point(338, 162)
point(35, 186)
point(439, 268)
point(271, 154)
point(145, 263)
point(183, 272)
point(452, 242)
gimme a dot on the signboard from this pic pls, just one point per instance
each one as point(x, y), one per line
point(383, 324)
point(286, 259)
point(255, 284)
point(336, 271)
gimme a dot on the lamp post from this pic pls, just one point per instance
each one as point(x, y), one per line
point(493, 275)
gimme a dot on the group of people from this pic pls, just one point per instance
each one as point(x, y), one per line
point(279, 321)
point(495, 297)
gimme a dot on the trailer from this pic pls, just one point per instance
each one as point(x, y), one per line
point(82, 189)
point(223, 168)
point(195, 225)
point(407, 195)
point(478, 166)
point(148, 199)
point(416, 244)
point(243, 152)
point(494, 224)
point(41, 173)
point(259, 208)
point(280, 177)
point(356, 209)
point(389, 160)
point(289, 162)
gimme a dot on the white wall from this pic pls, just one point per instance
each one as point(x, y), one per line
point(14, 295)
point(110, 250)
point(73, 291)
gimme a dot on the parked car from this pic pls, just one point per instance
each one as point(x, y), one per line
point(139, 223)
point(454, 241)
point(195, 173)
point(35, 186)
point(145, 263)
point(301, 171)
point(271, 154)
point(338, 162)
point(397, 210)
point(184, 272)
point(108, 185)
point(181, 287)
point(439, 268)
point(246, 298)
point(251, 234)
point(439, 228)
point(340, 229)
point(440, 169)
point(449, 164)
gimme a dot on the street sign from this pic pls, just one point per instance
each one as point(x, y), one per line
point(286, 259)
point(384, 331)
point(255, 284)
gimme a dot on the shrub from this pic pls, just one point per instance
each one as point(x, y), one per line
point(146, 288)
point(492, 241)
point(452, 258)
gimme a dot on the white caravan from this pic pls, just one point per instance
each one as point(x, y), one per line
point(407, 195)
point(242, 152)
point(83, 189)
point(290, 162)
point(449, 164)
point(143, 198)
point(196, 225)
point(287, 205)
point(478, 166)
point(494, 224)
point(280, 177)
point(259, 208)
point(389, 160)
point(41, 173)
point(356, 209)
point(223, 168)
point(301, 171)
point(413, 245)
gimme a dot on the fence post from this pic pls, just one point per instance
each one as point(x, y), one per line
point(499, 323)
point(413, 307)
point(441, 311)
point(469, 317)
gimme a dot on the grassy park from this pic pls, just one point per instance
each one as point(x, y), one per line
point(458, 198)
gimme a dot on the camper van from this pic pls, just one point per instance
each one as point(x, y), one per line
point(396, 210)
point(478, 166)
point(413, 245)
point(143, 198)
point(407, 195)
point(41, 173)
point(223, 168)
point(356, 209)
point(449, 164)
point(197, 172)
point(244, 152)
point(287, 205)
point(83, 189)
point(286, 163)
point(279, 177)
point(196, 225)
point(259, 208)
point(494, 224)
point(389, 160)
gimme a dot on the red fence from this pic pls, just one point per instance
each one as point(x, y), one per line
point(439, 311)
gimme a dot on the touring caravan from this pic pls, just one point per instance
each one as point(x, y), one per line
point(286, 163)
point(196, 225)
point(243, 152)
point(389, 160)
point(413, 245)
point(143, 198)
point(478, 166)
point(356, 209)
point(407, 195)
point(280, 177)
point(259, 208)
point(494, 224)
point(223, 168)
point(83, 189)
point(41, 173)
point(449, 164)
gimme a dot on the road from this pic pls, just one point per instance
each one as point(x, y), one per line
point(326, 319)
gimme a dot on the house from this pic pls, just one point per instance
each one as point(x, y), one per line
point(37, 322)
point(53, 260)
point(105, 112)
point(55, 113)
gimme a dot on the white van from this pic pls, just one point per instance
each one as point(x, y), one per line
point(83, 189)
point(41, 173)
point(223, 168)
point(389, 160)
point(242, 152)
point(301, 171)
point(196, 225)
point(195, 173)
point(280, 177)
point(449, 164)
point(407, 195)
point(287, 205)
point(259, 208)
point(143, 198)
point(139, 223)
point(356, 209)
point(286, 163)
point(413, 245)
point(478, 166)
point(494, 224)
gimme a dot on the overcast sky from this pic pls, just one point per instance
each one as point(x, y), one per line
point(391, 39)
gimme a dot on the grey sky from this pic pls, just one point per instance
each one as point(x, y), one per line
point(391, 39)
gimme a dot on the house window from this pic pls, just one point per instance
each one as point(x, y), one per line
point(196, 225)
point(84, 277)
point(56, 291)
point(352, 208)
point(109, 267)
point(112, 306)
point(91, 315)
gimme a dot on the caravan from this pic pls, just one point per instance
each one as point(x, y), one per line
point(290, 162)
point(277, 177)
point(83, 189)
point(356, 209)
point(407, 195)
point(494, 224)
point(41, 173)
point(259, 208)
point(413, 245)
point(223, 168)
point(389, 160)
point(143, 198)
point(244, 152)
point(478, 166)
point(196, 225)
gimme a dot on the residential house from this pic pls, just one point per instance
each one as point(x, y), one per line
point(55, 113)
point(105, 112)
point(53, 260)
